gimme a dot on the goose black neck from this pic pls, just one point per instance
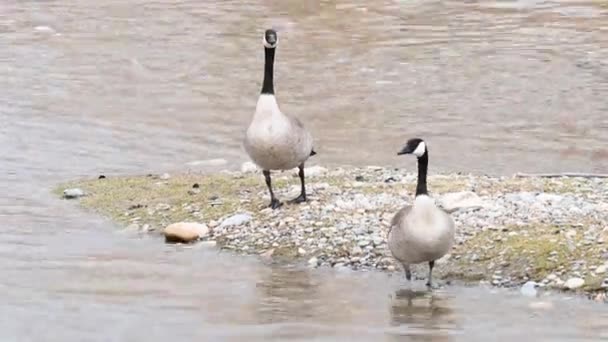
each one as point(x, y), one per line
point(423, 164)
point(268, 85)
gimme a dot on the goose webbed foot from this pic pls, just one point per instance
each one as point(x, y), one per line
point(302, 197)
point(275, 203)
point(299, 199)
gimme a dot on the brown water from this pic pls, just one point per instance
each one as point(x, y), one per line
point(147, 86)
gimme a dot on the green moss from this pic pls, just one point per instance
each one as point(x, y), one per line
point(533, 251)
point(217, 195)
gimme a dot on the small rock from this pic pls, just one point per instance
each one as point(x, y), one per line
point(163, 206)
point(301, 251)
point(600, 269)
point(549, 198)
point(73, 193)
point(571, 233)
point(101, 177)
point(604, 284)
point(529, 289)
point(185, 232)
point(313, 262)
point(574, 283)
point(363, 243)
point(248, 167)
point(464, 200)
point(314, 171)
point(165, 176)
point(193, 192)
point(236, 220)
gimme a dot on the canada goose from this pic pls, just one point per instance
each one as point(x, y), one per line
point(275, 141)
point(420, 232)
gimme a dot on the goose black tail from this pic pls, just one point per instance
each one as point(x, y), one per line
point(312, 153)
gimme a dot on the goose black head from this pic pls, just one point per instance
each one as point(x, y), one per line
point(415, 146)
point(271, 39)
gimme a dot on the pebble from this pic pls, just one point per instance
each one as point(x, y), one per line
point(185, 232)
point(315, 171)
point(73, 193)
point(464, 200)
point(248, 167)
point(313, 261)
point(574, 283)
point(236, 220)
point(600, 269)
point(162, 206)
point(529, 289)
point(165, 176)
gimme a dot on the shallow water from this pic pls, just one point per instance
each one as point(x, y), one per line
point(135, 87)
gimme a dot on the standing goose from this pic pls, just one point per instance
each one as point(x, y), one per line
point(276, 141)
point(420, 232)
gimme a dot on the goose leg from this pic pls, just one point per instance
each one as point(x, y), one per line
point(408, 273)
point(274, 202)
point(429, 283)
point(302, 197)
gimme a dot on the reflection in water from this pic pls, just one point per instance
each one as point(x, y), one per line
point(286, 294)
point(422, 311)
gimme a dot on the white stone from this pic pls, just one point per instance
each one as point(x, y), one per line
point(185, 232)
point(529, 289)
point(313, 262)
point(464, 200)
point(314, 171)
point(236, 220)
point(165, 176)
point(574, 283)
point(73, 193)
point(553, 198)
point(248, 167)
point(600, 269)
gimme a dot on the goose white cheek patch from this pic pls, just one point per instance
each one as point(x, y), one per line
point(420, 149)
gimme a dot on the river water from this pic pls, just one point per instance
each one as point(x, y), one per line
point(126, 87)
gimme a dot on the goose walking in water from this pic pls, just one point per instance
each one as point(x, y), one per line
point(274, 140)
point(420, 232)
